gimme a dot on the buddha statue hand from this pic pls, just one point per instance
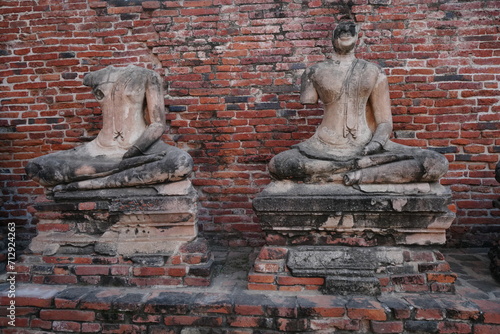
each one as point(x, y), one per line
point(372, 148)
point(132, 152)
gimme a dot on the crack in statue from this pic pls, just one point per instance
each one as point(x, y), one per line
point(128, 151)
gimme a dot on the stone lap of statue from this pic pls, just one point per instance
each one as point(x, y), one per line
point(352, 144)
point(128, 151)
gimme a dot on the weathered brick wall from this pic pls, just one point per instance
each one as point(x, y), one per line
point(232, 70)
point(50, 309)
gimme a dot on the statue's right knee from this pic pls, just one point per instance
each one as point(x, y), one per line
point(46, 174)
point(184, 167)
point(435, 166)
point(286, 165)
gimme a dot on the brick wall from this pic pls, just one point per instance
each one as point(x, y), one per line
point(232, 71)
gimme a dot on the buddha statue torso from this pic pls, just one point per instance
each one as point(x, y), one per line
point(348, 122)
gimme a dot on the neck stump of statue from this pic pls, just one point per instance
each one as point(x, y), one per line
point(123, 199)
point(348, 205)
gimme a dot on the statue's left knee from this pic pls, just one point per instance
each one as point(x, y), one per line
point(435, 166)
point(184, 166)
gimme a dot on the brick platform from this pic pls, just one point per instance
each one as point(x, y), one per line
point(119, 237)
point(227, 308)
point(191, 265)
point(344, 240)
point(417, 270)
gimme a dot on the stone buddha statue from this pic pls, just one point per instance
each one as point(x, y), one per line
point(128, 151)
point(351, 145)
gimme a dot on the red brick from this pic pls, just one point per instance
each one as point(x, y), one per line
point(38, 323)
point(322, 306)
point(146, 318)
point(188, 320)
point(486, 329)
point(91, 328)
point(429, 314)
point(335, 323)
point(261, 267)
point(239, 321)
point(119, 270)
point(454, 327)
point(387, 326)
point(150, 4)
point(442, 278)
point(291, 325)
point(364, 308)
point(261, 278)
point(289, 280)
point(490, 309)
point(249, 309)
point(178, 271)
point(258, 286)
point(37, 296)
point(87, 206)
point(196, 281)
point(91, 270)
point(149, 271)
point(74, 315)
point(272, 253)
point(67, 259)
point(66, 326)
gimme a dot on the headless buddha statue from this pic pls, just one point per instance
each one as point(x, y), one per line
point(351, 145)
point(128, 151)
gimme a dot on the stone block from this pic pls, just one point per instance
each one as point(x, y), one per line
point(344, 270)
point(382, 217)
point(119, 222)
point(121, 237)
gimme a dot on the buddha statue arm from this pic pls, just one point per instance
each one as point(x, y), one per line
point(154, 116)
point(308, 94)
point(381, 105)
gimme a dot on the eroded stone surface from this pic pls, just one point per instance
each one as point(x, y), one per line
point(118, 225)
point(299, 209)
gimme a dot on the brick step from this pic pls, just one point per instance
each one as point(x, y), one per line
point(90, 309)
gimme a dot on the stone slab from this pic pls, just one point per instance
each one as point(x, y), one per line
point(154, 220)
point(284, 196)
point(291, 209)
point(347, 270)
point(328, 260)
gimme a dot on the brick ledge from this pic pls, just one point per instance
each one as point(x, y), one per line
point(86, 309)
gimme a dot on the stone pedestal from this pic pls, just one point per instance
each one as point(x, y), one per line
point(127, 236)
point(320, 214)
point(344, 240)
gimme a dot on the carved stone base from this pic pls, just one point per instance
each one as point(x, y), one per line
point(321, 214)
point(123, 222)
point(343, 270)
point(345, 240)
point(131, 236)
